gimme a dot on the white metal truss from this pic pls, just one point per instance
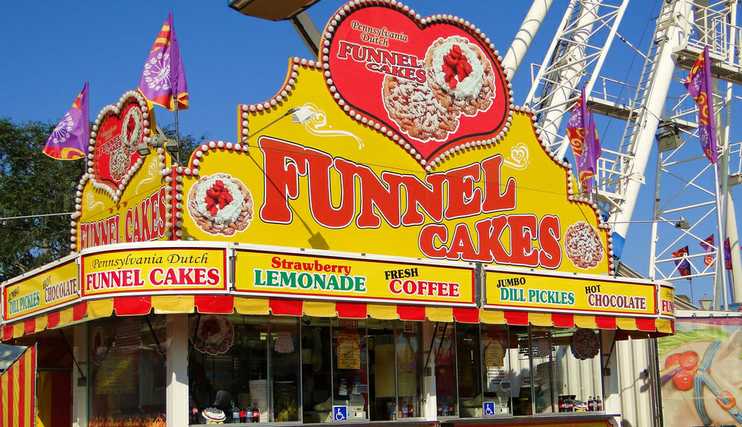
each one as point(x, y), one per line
point(701, 191)
point(578, 49)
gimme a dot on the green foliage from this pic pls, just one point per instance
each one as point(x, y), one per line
point(711, 333)
point(32, 183)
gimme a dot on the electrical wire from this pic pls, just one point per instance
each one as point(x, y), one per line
point(7, 218)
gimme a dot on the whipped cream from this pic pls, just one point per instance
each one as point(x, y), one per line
point(472, 84)
point(230, 212)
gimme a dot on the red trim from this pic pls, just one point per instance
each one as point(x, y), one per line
point(466, 315)
point(605, 322)
point(214, 304)
point(33, 384)
point(29, 326)
point(7, 332)
point(351, 310)
point(79, 311)
point(516, 318)
point(21, 390)
point(646, 325)
point(132, 306)
point(411, 312)
point(52, 320)
point(563, 320)
point(286, 307)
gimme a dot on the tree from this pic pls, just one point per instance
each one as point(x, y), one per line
point(31, 184)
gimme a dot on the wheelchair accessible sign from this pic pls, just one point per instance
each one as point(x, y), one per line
point(339, 413)
point(488, 409)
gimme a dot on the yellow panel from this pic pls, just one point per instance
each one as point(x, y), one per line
point(319, 309)
point(382, 311)
point(439, 314)
point(100, 308)
point(65, 317)
point(492, 317)
point(540, 319)
point(43, 290)
point(569, 293)
point(41, 323)
point(18, 329)
point(165, 304)
point(587, 322)
point(664, 325)
point(626, 323)
point(256, 306)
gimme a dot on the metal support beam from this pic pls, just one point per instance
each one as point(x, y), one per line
point(525, 35)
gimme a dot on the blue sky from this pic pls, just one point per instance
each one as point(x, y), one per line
point(51, 50)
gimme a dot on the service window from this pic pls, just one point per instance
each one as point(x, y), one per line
point(468, 352)
point(126, 379)
point(496, 373)
point(444, 350)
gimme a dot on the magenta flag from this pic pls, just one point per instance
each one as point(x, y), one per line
point(708, 246)
point(69, 139)
point(583, 139)
point(699, 87)
point(727, 254)
point(163, 79)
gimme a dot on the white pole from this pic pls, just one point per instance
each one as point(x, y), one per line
point(525, 35)
point(733, 237)
point(176, 396)
point(720, 280)
point(677, 37)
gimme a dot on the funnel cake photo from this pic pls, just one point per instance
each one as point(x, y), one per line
point(460, 80)
point(583, 245)
point(414, 108)
point(221, 204)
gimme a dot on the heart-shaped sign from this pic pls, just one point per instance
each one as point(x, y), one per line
point(432, 85)
point(119, 130)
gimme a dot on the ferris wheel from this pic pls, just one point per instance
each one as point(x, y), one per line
point(693, 204)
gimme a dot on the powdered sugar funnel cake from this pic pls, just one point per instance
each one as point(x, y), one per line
point(460, 75)
point(583, 246)
point(414, 108)
point(221, 204)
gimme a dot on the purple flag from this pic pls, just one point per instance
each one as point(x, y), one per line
point(69, 139)
point(583, 139)
point(680, 260)
point(163, 79)
point(698, 84)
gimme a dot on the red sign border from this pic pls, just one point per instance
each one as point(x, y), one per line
point(451, 147)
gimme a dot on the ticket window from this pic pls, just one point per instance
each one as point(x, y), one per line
point(469, 365)
point(519, 351)
point(383, 370)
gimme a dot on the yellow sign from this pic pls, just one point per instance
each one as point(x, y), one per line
point(45, 289)
point(506, 289)
point(154, 270)
point(339, 278)
point(667, 300)
point(311, 176)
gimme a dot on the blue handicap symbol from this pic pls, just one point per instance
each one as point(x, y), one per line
point(488, 408)
point(340, 413)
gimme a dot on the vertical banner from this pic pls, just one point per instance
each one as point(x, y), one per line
point(18, 391)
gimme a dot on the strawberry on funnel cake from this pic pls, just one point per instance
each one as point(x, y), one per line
point(220, 204)
point(460, 75)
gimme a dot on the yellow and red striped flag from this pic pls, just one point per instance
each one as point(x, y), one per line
point(17, 391)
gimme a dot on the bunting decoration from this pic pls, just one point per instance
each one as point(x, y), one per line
point(681, 261)
point(163, 78)
point(583, 139)
point(69, 139)
point(708, 246)
point(699, 87)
